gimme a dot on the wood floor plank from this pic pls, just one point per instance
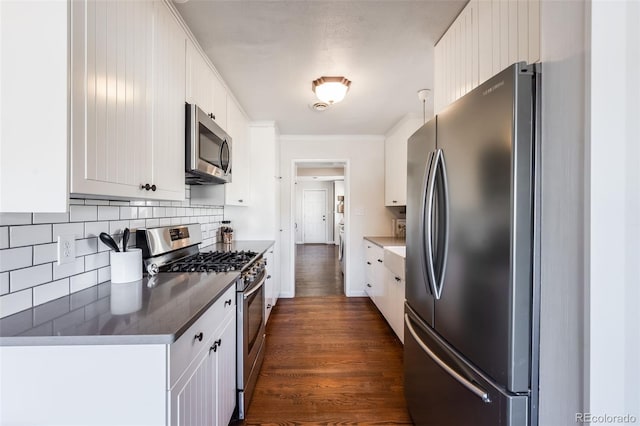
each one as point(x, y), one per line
point(318, 270)
point(329, 361)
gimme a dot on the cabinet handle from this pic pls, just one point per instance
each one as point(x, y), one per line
point(394, 201)
point(398, 279)
point(269, 306)
point(227, 302)
point(148, 187)
point(368, 263)
point(379, 260)
point(215, 345)
point(198, 337)
point(368, 285)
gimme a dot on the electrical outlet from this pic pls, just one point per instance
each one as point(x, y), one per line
point(66, 249)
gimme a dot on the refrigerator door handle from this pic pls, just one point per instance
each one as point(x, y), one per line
point(445, 222)
point(428, 237)
point(477, 390)
point(426, 258)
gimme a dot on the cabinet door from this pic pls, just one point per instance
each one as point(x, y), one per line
point(199, 80)
point(111, 97)
point(237, 191)
point(219, 102)
point(193, 397)
point(395, 161)
point(168, 106)
point(226, 371)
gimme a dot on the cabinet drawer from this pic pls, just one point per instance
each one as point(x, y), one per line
point(183, 351)
point(373, 254)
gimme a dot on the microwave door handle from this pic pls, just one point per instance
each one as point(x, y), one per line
point(224, 147)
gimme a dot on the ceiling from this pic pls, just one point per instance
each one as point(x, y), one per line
point(269, 52)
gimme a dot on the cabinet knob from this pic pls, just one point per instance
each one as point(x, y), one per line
point(268, 277)
point(148, 187)
point(368, 285)
point(394, 201)
point(240, 201)
point(227, 302)
point(213, 117)
point(368, 263)
point(198, 337)
point(153, 187)
point(269, 306)
point(215, 345)
point(380, 260)
point(398, 279)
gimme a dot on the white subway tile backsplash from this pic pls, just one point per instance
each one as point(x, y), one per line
point(136, 224)
point(145, 212)
point(15, 218)
point(68, 269)
point(29, 277)
point(93, 229)
point(4, 237)
point(50, 291)
point(117, 227)
point(83, 213)
point(75, 229)
point(50, 217)
point(128, 212)
point(96, 261)
point(86, 246)
point(108, 213)
point(4, 283)
point(15, 302)
point(45, 253)
point(29, 274)
point(104, 274)
point(28, 235)
point(15, 258)
point(82, 281)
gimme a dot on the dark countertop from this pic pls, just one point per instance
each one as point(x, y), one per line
point(154, 310)
point(387, 241)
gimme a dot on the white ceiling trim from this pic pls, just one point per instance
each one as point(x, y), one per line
point(305, 138)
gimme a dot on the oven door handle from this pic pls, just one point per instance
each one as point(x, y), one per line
point(255, 288)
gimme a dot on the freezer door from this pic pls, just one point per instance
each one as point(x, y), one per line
point(420, 152)
point(443, 389)
point(485, 306)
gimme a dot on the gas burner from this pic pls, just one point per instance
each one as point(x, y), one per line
point(216, 261)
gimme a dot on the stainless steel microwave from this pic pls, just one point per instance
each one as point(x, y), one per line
point(208, 149)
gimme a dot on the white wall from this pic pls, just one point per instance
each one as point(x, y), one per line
point(364, 208)
point(300, 187)
point(338, 189)
point(613, 260)
point(563, 218)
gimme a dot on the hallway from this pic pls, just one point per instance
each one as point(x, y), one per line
point(329, 360)
point(318, 271)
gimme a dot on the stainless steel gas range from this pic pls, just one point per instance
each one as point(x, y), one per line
point(175, 249)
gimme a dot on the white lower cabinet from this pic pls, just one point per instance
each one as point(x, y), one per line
point(189, 382)
point(206, 394)
point(270, 286)
point(385, 285)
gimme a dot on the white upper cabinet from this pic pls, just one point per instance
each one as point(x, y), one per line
point(204, 88)
point(200, 79)
point(237, 191)
point(127, 100)
point(395, 161)
point(34, 83)
point(487, 37)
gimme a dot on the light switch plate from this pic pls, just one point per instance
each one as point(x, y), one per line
point(66, 249)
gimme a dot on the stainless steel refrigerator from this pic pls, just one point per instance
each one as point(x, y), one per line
point(471, 312)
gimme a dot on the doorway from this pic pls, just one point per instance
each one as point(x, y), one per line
point(318, 201)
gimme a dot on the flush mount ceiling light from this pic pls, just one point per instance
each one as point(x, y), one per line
point(330, 90)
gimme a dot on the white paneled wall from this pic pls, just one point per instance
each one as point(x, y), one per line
point(487, 37)
point(29, 273)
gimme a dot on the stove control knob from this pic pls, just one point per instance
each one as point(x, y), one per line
point(152, 269)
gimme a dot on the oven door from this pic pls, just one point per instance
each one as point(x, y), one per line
point(253, 323)
point(208, 149)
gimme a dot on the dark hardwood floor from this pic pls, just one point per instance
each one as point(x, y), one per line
point(330, 360)
point(318, 270)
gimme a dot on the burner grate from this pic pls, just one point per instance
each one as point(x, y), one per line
point(217, 261)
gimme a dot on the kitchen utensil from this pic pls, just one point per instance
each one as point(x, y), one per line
point(125, 239)
point(109, 241)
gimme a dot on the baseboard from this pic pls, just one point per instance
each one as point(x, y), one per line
point(357, 294)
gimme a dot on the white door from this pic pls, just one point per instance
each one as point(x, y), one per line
point(314, 215)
